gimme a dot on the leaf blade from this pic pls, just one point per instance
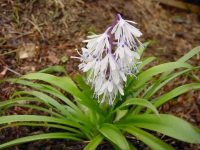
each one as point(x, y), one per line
point(147, 138)
point(113, 134)
point(140, 102)
point(94, 142)
point(166, 124)
point(39, 137)
point(146, 75)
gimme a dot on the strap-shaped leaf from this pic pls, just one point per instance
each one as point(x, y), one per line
point(143, 47)
point(145, 62)
point(52, 69)
point(48, 125)
point(37, 118)
point(40, 137)
point(113, 134)
point(83, 86)
point(66, 84)
point(140, 66)
point(166, 124)
point(147, 138)
point(174, 93)
point(51, 90)
point(94, 142)
point(49, 111)
point(186, 57)
point(162, 82)
point(18, 100)
point(48, 100)
point(145, 76)
point(190, 54)
point(140, 102)
point(150, 140)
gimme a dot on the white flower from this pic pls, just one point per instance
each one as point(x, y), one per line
point(113, 64)
point(126, 32)
point(109, 58)
point(97, 44)
point(126, 59)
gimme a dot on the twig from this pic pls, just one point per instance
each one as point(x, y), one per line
point(13, 71)
point(180, 5)
point(6, 53)
point(36, 27)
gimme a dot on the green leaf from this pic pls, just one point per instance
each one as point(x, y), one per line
point(140, 66)
point(18, 100)
point(166, 124)
point(53, 69)
point(40, 137)
point(190, 54)
point(174, 93)
point(49, 111)
point(47, 99)
point(72, 112)
point(51, 90)
point(146, 62)
point(186, 57)
point(148, 139)
point(113, 134)
point(66, 84)
point(120, 114)
point(94, 142)
point(40, 86)
point(132, 147)
point(140, 102)
point(143, 47)
point(159, 84)
point(48, 125)
point(145, 76)
point(37, 118)
point(83, 86)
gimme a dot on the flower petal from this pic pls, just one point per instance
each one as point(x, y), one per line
point(89, 65)
point(112, 62)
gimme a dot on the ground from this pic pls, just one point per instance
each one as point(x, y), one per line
point(36, 34)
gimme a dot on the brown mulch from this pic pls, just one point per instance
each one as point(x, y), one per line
point(35, 34)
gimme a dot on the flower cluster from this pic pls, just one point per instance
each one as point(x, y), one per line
point(110, 57)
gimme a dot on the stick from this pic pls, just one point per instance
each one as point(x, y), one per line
point(180, 5)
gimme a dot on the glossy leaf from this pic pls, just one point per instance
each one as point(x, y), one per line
point(166, 124)
point(174, 93)
point(140, 102)
point(94, 142)
point(66, 84)
point(40, 137)
point(145, 62)
point(145, 76)
point(113, 134)
point(190, 54)
point(37, 118)
point(146, 138)
point(52, 69)
point(159, 84)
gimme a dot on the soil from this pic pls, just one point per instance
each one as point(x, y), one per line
point(36, 34)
